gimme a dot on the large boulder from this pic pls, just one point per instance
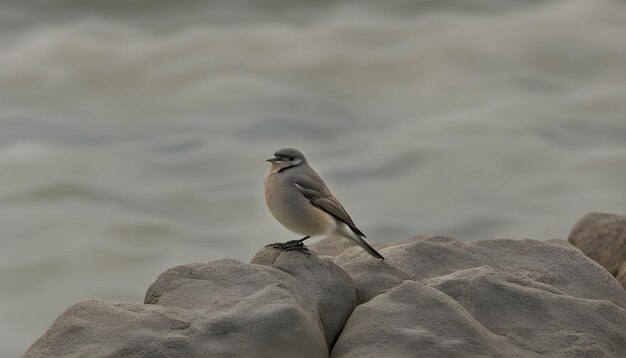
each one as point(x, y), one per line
point(328, 288)
point(413, 320)
point(602, 237)
point(435, 296)
point(222, 308)
point(424, 257)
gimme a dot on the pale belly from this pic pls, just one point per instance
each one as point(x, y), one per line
point(294, 211)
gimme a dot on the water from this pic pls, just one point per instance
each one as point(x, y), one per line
point(133, 133)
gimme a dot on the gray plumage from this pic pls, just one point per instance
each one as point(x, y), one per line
point(300, 200)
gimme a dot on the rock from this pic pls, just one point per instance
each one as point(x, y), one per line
point(322, 282)
point(332, 246)
point(511, 298)
point(212, 285)
point(96, 328)
point(621, 275)
point(413, 320)
point(368, 284)
point(558, 242)
point(424, 257)
point(602, 237)
point(336, 245)
point(433, 296)
point(291, 305)
point(537, 318)
point(245, 310)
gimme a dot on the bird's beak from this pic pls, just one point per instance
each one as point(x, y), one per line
point(272, 159)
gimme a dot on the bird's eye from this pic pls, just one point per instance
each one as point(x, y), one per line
point(291, 158)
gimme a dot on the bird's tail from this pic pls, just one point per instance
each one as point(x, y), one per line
point(359, 240)
point(349, 233)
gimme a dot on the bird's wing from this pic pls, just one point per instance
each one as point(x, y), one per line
point(316, 192)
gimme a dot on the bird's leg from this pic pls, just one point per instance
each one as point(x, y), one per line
point(292, 245)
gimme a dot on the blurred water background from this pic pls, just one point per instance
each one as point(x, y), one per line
point(133, 133)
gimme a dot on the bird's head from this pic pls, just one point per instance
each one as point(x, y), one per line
point(286, 158)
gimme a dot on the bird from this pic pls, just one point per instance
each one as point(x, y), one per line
point(300, 200)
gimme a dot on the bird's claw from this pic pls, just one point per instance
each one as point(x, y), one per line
point(293, 245)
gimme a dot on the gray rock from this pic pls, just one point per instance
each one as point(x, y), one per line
point(433, 296)
point(423, 257)
point(273, 326)
point(602, 237)
point(323, 283)
point(558, 242)
point(332, 246)
point(293, 308)
point(537, 318)
point(413, 320)
point(373, 276)
point(95, 328)
point(510, 298)
point(213, 285)
point(621, 275)
point(336, 245)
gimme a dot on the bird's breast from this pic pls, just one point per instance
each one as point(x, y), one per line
point(293, 210)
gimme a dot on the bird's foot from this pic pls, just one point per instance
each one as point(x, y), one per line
point(293, 245)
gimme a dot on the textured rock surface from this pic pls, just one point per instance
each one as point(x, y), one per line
point(413, 320)
point(621, 275)
point(335, 245)
point(95, 328)
point(223, 308)
point(433, 296)
point(331, 246)
point(437, 297)
point(324, 284)
point(602, 237)
point(424, 257)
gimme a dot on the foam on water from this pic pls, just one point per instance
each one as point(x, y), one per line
point(133, 134)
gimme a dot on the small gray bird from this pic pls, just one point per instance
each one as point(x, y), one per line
point(300, 200)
